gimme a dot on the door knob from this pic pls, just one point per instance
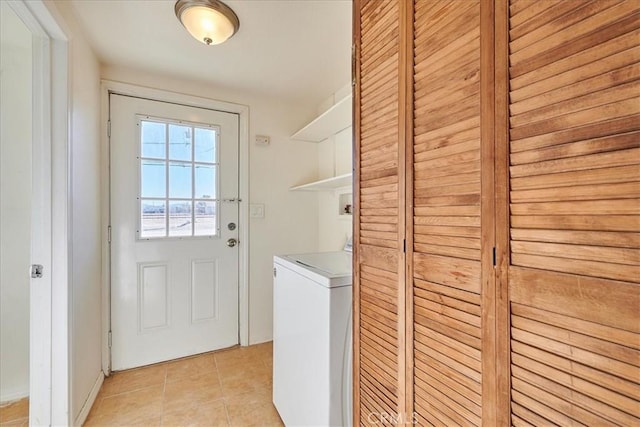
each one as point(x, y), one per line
point(232, 242)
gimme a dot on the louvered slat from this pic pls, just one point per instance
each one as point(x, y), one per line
point(446, 223)
point(377, 231)
point(575, 213)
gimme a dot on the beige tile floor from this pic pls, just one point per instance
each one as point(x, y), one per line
point(15, 413)
point(224, 388)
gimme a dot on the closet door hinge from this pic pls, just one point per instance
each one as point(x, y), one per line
point(353, 64)
point(494, 256)
point(109, 234)
point(109, 339)
point(109, 128)
point(404, 246)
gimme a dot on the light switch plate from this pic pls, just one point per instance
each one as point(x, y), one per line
point(256, 210)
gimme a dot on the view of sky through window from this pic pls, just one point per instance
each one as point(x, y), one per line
point(178, 177)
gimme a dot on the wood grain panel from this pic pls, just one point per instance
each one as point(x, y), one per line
point(563, 212)
point(629, 123)
point(602, 413)
point(580, 148)
point(577, 296)
point(596, 391)
point(440, 365)
point(558, 19)
point(528, 11)
point(446, 191)
point(561, 408)
point(601, 60)
point(583, 376)
point(590, 34)
point(588, 216)
point(620, 174)
point(585, 162)
point(614, 255)
point(577, 101)
point(574, 177)
point(600, 82)
point(605, 238)
point(377, 226)
point(537, 15)
point(450, 385)
point(457, 273)
point(451, 317)
point(600, 346)
point(434, 391)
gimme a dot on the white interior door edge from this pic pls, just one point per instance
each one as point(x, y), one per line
point(49, 318)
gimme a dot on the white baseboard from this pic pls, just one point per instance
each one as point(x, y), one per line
point(88, 404)
point(260, 340)
point(13, 396)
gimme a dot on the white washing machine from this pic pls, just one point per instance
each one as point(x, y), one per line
point(312, 339)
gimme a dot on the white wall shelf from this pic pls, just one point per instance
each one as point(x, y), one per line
point(329, 184)
point(332, 121)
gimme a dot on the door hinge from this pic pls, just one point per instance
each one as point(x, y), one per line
point(109, 234)
point(109, 339)
point(275, 272)
point(353, 64)
point(109, 128)
point(404, 245)
point(494, 256)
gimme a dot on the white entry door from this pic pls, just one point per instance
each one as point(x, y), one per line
point(174, 220)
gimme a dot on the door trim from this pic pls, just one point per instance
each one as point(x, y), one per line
point(108, 86)
point(49, 389)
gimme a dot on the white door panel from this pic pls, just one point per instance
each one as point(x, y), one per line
point(177, 295)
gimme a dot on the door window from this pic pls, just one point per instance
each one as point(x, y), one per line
point(178, 170)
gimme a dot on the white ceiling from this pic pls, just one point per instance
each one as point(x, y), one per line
point(298, 50)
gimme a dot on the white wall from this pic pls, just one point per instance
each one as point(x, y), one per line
point(334, 159)
point(15, 203)
point(86, 270)
point(290, 223)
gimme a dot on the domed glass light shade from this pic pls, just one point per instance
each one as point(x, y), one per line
point(209, 21)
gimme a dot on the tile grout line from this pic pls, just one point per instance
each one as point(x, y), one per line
point(263, 362)
point(224, 398)
point(164, 390)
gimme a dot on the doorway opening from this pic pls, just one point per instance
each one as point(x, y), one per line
point(16, 104)
point(174, 257)
point(36, 186)
point(177, 168)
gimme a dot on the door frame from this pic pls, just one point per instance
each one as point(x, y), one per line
point(49, 340)
point(107, 87)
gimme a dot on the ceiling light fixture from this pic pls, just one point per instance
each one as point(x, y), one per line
point(209, 21)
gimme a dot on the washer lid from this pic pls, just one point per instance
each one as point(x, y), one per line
point(332, 263)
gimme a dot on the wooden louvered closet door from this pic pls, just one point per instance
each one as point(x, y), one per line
point(497, 212)
point(574, 178)
point(421, 352)
point(379, 269)
point(454, 356)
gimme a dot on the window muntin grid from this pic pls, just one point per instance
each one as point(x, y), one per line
point(178, 186)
